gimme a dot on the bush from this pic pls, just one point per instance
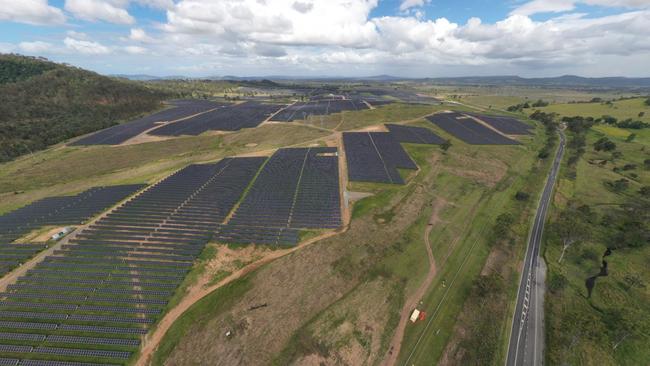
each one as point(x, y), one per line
point(522, 196)
point(618, 185)
point(604, 144)
point(557, 282)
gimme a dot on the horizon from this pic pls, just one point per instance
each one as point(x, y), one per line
point(338, 38)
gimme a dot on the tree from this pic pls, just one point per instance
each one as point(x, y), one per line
point(630, 137)
point(522, 196)
point(604, 144)
point(618, 185)
point(609, 120)
point(570, 228)
point(445, 145)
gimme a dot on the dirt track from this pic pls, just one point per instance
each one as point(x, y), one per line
point(412, 302)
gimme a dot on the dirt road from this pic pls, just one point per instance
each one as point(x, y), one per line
point(412, 302)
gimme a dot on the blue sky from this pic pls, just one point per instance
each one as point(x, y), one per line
point(416, 38)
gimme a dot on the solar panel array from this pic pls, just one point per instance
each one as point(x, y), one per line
point(302, 110)
point(230, 118)
point(507, 125)
point(93, 299)
point(63, 210)
point(375, 157)
point(297, 188)
point(116, 135)
point(467, 129)
point(13, 255)
point(414, 135)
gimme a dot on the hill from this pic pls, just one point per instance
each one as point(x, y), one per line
point(43, 103)
point(565, 81)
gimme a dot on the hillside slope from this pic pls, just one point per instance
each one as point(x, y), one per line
point(43, 103)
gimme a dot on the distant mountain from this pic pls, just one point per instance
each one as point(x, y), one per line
point(43, 103)
point(560, 81)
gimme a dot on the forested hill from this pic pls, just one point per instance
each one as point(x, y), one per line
point(43, 103)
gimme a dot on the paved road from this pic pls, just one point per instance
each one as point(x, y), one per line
point(526, 346)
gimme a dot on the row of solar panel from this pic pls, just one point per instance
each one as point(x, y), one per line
point(118, 134)
point(302, 110)
point(375, 157)
point(101, 284)
point(469, 130)
point(65, 210)
point(297, 188)
point(230, 118)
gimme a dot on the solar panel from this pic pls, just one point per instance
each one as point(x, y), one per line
point(414, 135)
point(468, 130)
point(120, 133)
point(231, 118)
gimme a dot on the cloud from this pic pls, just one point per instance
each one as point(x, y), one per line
point(139, 35)
point(331, 22)
point(37, 12)
point(93, 10)
point(85, 47)
point(407, 4)
point(36, 47)
point(302, 7)
point(135, 50)
point(558, 6)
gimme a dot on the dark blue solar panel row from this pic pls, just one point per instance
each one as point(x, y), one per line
point(302, 110)
point(391, 151)
point(13, 255)
point(231, 118)
point(414, 135)
point(375, 157)
point(467, 129)
point(257, 235)
point(64, 210)
point(507, 125)
point(118, 134)
point(365, 164)
point(297, 188)
point(106, 286)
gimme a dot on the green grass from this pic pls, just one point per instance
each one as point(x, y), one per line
point(621, 110)
point(575, 329)
point(461, 250)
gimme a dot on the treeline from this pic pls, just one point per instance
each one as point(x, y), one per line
point(15, 68)
point(521, 106)
point(43, 103)
point(627, 123)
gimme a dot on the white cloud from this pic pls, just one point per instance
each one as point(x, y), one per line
point(135, 50)
point(558, 6)
point(85, 47)
point(331, 22)
point(36, 47)
point(92, 10)
point(407, 4)
point(139, 35)
point(37, 12)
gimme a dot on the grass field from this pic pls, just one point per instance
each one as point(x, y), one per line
point(611, 327)
point(622, 109)
point(501, 97)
